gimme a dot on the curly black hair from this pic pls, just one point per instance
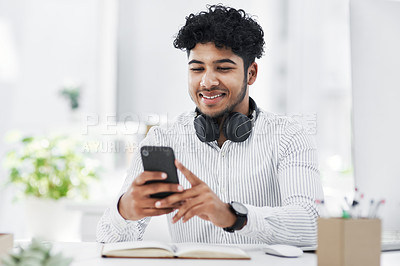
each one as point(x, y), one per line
point(225, 27)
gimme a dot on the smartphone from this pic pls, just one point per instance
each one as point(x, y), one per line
point(162, 159)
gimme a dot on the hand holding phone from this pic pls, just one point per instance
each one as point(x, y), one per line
point(160, 159)
point(146, 189)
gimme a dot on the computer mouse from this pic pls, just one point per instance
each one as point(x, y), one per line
point(283, 251)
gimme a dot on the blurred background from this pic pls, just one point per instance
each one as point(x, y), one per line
point(94, 74)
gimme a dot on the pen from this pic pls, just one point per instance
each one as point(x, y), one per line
point(356, 205)
point(349, 208)
point(322, 209)
point(375, 212)
point(371, 206)
point(346, 210)
point(346, 214)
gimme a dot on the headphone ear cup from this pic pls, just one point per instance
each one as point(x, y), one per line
point(237, 127)
point(207, 129)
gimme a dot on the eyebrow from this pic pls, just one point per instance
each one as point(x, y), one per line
point(226, 60)
point(195, 62)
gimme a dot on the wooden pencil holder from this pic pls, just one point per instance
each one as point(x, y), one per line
point(349, 242)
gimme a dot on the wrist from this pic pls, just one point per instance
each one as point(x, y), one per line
point(230, 217)
point(240, 212)
point(121, 207)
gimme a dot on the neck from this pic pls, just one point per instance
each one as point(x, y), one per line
point(221, 140)
point(222, 137)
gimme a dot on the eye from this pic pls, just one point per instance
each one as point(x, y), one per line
point(224, 69)
point(196, 69)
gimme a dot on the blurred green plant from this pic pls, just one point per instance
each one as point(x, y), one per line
point(36, 254)
point(72, 93)
point(50, 167)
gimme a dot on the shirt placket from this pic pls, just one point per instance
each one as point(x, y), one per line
point(224, 174)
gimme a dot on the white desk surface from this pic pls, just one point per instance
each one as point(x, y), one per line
point(88, 254)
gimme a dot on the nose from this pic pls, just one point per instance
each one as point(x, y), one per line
point(209, 80)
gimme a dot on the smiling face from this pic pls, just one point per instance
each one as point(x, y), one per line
point(217, 80)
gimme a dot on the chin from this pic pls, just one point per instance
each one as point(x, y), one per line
point(213, 113)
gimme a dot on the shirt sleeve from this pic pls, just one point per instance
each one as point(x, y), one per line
point(112, 227)
point(295, 221)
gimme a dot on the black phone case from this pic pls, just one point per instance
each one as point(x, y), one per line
point(162, 159)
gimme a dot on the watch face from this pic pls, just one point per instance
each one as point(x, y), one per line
point(239, 207)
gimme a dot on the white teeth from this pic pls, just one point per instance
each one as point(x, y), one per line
point(212, 97)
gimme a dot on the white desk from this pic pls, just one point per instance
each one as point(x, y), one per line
point(88, 254)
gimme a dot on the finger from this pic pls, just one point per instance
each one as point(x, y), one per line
point(175, 206)
point(156, 212)
point(188, 205)
point(145, 203)
point(149, 203)
point(195, 211)
point(148, 176)
point(175, 198)
point(160, 187)
point(194, 180)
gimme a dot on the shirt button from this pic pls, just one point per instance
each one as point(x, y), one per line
point(223, 154)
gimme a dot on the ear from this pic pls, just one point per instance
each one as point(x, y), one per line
point(252, 73)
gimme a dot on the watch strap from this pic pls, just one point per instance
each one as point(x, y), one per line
point(239, 223)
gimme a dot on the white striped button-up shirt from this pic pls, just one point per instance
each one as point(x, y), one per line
point(273, 173)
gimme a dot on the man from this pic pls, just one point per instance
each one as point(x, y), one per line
point(246, 176)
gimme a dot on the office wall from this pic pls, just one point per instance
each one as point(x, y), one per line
point(55, 41)
point(318, 80)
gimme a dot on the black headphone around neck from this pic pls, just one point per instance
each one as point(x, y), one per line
point(237, 126)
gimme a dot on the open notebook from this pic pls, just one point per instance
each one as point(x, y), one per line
point(153, 249)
